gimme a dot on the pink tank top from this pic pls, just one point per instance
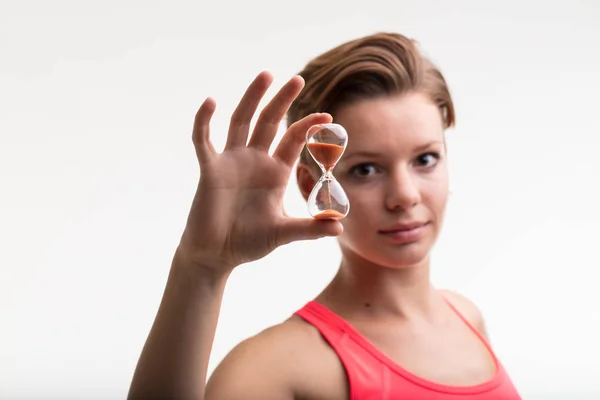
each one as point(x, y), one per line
point(372, 375)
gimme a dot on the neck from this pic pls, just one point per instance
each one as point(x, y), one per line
point(362, 289)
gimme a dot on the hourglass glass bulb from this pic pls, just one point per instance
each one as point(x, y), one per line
point(326, 144)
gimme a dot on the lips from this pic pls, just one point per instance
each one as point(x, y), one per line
point(402, 227)
point(405, 232)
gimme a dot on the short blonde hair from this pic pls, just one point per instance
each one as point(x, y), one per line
point(372, 66)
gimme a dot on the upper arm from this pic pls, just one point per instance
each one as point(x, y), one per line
point(254, 369)
point(468, 309)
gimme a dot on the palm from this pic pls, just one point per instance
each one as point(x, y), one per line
point(237, 215)
point(245, 169)
point(244, 189)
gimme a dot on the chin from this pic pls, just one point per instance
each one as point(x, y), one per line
point(411, 255)
point(395, 257)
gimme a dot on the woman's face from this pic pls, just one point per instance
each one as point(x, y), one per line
point(395, 174)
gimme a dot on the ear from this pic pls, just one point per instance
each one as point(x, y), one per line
point(305, 179)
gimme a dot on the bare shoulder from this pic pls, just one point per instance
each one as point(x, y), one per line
point(467, 308)
point(282, 362)
point(258, 367)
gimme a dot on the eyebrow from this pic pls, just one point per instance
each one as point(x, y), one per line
point(362, 153)
point(365, 153)
point(428, 145)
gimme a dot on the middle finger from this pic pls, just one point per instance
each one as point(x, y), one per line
point(240, 120)
point(271, 116)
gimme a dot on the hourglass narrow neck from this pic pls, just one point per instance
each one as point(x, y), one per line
point(327, 171)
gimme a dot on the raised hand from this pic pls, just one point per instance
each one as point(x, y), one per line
point(237, 214)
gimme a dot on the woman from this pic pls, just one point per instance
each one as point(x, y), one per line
point(379, 330)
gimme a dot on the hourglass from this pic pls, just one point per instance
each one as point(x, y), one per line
point(326, 144)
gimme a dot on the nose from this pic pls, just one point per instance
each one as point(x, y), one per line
point(403, 190)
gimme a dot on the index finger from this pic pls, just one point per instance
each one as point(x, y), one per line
point(294, 139)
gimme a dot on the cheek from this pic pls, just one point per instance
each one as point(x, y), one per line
point(435, 196)
point(439, 204)
point(363, 208)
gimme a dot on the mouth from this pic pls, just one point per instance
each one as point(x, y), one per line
point(405, 232)
point(404, 227)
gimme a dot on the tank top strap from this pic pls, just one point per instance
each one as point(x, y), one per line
point(364, 373)
point(469, 325)
point(329, 328)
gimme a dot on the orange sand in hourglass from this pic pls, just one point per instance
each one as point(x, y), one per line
point(329, 214)
point(327, 155)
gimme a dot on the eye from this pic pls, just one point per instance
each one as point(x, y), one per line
point(428, 160)
point(363, 170)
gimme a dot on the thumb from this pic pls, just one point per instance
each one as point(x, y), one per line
point(294, 229)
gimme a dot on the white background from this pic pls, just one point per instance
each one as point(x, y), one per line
point(97, 172)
